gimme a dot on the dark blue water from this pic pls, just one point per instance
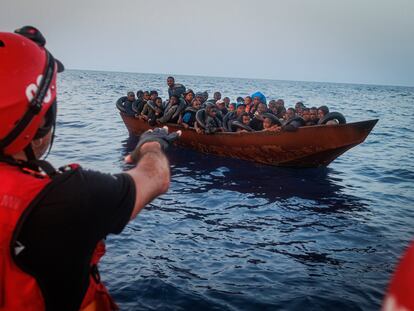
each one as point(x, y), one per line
point(232, 235)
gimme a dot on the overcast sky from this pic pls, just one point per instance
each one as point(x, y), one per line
point(354, 41)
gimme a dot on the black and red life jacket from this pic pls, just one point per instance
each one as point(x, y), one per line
point(19, 187)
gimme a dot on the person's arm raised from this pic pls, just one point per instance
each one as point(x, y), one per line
point(151, 175)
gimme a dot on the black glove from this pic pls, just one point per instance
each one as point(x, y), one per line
point(159, 135)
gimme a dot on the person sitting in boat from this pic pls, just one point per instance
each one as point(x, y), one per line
point(322, 111)
point(145, 110)
point(271, 123)
point(188, 97)
point(273, 107)
point(248, 101)
point(139, 103)
point(299, 106)
point(146, 96)
point(152, 111)
point(174, 88)
point(216, 96)
point(232, 107)
point(189, 116)
point(281, 110)
point(258, 98)
point(313, 112)
point(233, 116)
point(221, 107)
point(226, 101)
point(172, 111)
point(292, 121)
point(257, 120)
point(202, 97)
point(306, 116)
point(290, 114)
point(244, 119)
point(212, 122)
point(125, 103)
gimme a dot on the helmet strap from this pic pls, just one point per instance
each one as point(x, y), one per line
point(28, 151)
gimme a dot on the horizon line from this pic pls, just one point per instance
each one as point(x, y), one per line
point(244, 78)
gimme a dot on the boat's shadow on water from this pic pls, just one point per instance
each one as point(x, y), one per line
point(322, 185)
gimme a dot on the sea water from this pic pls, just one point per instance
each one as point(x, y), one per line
point(234, 235)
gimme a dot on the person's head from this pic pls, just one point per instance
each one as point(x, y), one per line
point(153, 95)
point(256, 101)
point(261, 108)
point(290, 113)
point(240, 108)
point(130, 96)
point(299, 107)
point(232, 107)
point(313, 112)
point(322, 111)
point(146, 95)
point(267, 123)
point(240, 99)
point(140, 94)
point(170, 81)
point(174, 99)
point(195, 103)
point(280, 103)
point(272, 106)
point(220, 104)
point(226, 100)
point(211, 110)
point(217, 96)
point(306, 114)
point(158, 101)
point(200, 97)
point(28, 98)
point(248, 100)
point(245, 118)
point(189, 96)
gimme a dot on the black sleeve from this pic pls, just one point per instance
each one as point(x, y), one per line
point(111, 199)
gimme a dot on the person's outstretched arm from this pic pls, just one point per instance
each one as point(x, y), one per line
point(151, 175)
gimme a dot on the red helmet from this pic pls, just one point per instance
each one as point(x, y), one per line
point(28, 79)
point(400, 294)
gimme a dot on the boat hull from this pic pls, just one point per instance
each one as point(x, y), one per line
point(309, 146)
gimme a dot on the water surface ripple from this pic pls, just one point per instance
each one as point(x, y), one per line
point(232, 235)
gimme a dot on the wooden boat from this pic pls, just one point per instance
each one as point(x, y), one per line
point(309, 146)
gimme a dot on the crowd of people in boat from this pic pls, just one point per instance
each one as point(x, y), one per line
point(195, 110)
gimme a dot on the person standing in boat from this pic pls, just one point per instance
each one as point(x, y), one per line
point(174, 88)
point(53, 222)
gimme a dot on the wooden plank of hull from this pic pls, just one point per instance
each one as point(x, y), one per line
point(309, 146)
